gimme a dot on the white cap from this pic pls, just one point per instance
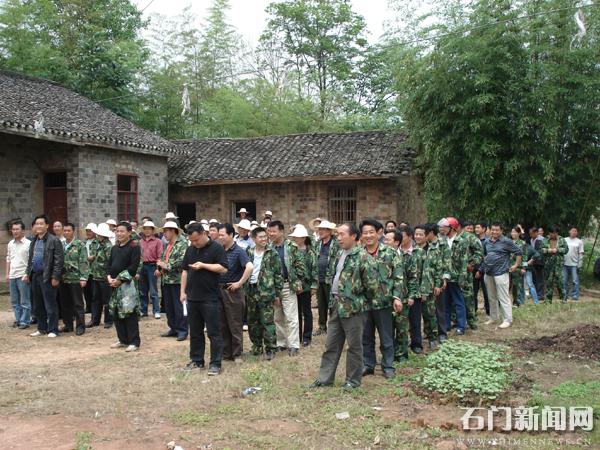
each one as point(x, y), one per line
point(171, 224)
point(104, 231)
point(299, 231)
point(243, 210)
point(91, 226)
point(171, 215)
point(269, 213)
point(111, 222)
point(213, 221)
point(148, 224)
point(327, 224)
point(244, 224)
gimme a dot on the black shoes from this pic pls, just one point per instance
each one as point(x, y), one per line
point(417, 350)
point(168, 334)
point(305, 343)
point(433, 345)
point(317, 384)
point(349, 387)
point(281, 349)
point(387, 374)
point(213, 371)
point(107, 326)
point(368, 371)
point(459, 332)
point(182, 338)
point(79, 331)
point(293, 352)
point(269, 356)
point(319, 332)
point(194, 365)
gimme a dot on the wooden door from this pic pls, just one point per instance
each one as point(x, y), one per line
point(55, 196)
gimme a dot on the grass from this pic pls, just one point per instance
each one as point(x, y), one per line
point(586, 276)
point(83, 440)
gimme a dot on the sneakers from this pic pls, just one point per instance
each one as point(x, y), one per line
point(52, 335)
point(23, 326)
point(213, 371)
point(157, 315)
point(36, 333)
point(245, 328)
point(504, 324)
point(132, 348)
point(117, 345)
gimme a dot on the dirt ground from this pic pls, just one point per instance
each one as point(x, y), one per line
point(77, 393)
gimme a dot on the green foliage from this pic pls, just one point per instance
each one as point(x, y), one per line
point(466, 371)
point(90, 47)
point(83, 440)
point(259, 376)
point(505, 115)
point(193, 418)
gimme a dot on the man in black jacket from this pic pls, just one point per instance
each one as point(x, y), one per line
point(44, 271)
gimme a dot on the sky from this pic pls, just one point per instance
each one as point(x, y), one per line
point(249, 16)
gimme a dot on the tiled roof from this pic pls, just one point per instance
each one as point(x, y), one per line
point(367, 154)
point(68, 116)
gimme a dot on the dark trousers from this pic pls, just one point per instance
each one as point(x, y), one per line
point(177, 322)
point(128, 330)
point(149, 289)
point(539, 280)
point(323, 291)
point(455, 302)
point(88, 293)
point(44, 303)
point(340, 330)
point(305, 317)
point(232, 322)
point(414, 319)
point(201, 314)
point(71, 302)
point(477, 284)
point(440, 314)
point(380, 320)
point(100, 303)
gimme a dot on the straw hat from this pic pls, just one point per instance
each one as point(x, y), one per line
point(91, 226)
point(300, 231)
point(327, 225)
point(172, 225)
point(104, 231)
point(313, 223)
point(111, 222)
point(254, 224)
point(170, 215)
point(269, 213)
point(243, 210)
point(213, 221)
point(204, 222)
point(244, 224)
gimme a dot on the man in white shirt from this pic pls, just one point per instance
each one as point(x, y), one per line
point(573, 262)
point(16, 264)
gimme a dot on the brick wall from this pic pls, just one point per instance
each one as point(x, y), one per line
point(300, 201)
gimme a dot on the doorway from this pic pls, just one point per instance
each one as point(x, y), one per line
point(250, 206)
point(185, 212)
point(55, 196)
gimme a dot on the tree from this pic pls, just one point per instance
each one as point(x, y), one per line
point(505, 114)
point(323, 40)
point(93, 48)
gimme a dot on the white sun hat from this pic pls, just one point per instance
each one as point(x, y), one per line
point(244, 224)
point(104, 231)
point(170, 215)
point(91, 226)
point(243, 210)
point(327, 224)
point(111, 222)
point(269, 213)
point(299, 231)
point(213, 221)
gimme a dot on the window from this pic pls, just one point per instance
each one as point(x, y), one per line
point(127, 189)
point(342, 204)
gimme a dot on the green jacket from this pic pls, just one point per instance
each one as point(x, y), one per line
point(434, 267)
point(555, 259)
point(458, 261)
point(294, 262)
point(525, 252)
point(311, 279)
point(101, 253)
point(334, 249)
point(412, 266)
point(76, 266)
point(115, 304)
point(172, 273)
point(270, 281)
point(475, 248)
point(358, 284)
point(390, 277)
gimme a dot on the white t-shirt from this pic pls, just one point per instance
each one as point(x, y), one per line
point(256, 264)
point(574, 257)
point(17, 256)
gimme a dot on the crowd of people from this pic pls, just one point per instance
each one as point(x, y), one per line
point(392, 281)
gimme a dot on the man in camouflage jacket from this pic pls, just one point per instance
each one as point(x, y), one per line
point(475, 256)
point(390, 280)
point(353, 289)
point(74, 279)
point(99, 256)
point(554, 250)
point(264, 286)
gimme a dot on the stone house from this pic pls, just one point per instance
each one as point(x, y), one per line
point(340, 176)
point(63, 154)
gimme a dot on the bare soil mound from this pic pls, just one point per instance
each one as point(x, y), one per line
point(581, 341)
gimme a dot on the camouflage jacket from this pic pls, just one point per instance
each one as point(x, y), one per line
point(270, 281)
point(555, 259)
point(475, 249)
point(458, 260)
point(334, 249)
point(390, 277)
point(434, 266)
point(101, 253)
point(311, 279)
point(76, 266)
point(358, 284)
point(525, 252)
point(294, 262)
point(172, 273)
point(115, 304)
point(412, 266)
